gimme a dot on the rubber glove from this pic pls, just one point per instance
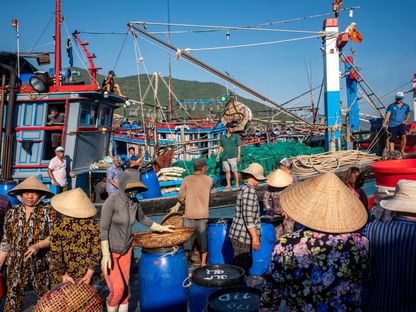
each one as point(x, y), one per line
point(175, 208)
point(106, 260)
point(161, 228)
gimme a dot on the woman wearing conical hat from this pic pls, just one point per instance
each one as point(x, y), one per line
point(245, 228)
point(277, 181)
point(75, 239)
point(25, 243)
point(321, 267)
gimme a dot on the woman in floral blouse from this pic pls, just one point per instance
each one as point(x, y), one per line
point(25, 242)
point(321, 267)
point(75, 239)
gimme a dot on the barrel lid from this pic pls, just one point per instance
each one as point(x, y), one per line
point(161, 250)
point(276, 220)
point(219, 275)
point(233, 299)
point(220, 220)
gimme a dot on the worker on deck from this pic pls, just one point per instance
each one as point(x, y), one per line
point(110, 86)
point(230, 149)
point(397, 116)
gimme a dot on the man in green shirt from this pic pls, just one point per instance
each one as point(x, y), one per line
point(230, 149)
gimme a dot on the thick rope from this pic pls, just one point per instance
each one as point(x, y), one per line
point(326, 162)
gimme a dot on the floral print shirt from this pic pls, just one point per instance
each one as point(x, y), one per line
point(75, 248)
point(20, 234)
point(312, 271)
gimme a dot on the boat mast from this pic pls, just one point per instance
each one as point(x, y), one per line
point(58, 44)
point(221, 75)
point(414, 97)
point(331, 83)
point(170, 70)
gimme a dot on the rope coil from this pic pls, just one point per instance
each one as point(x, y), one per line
point(326, 162)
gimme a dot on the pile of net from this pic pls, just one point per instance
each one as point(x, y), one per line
point(268, 155)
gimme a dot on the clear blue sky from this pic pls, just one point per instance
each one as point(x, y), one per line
point(387, 54)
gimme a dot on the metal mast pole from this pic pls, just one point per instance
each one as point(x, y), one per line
point(331, 83)
point(58, 44)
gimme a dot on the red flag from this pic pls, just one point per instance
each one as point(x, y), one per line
point(356, 36)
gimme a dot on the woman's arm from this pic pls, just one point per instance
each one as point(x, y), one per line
point(34, 249)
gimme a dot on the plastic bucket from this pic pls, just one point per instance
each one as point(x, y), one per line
point(220, 250)
point(149, 178)
point(6, 186)
point(208, 279)
point(161, 273)
point(267, 241)
point(389, 172)
point(233, 299)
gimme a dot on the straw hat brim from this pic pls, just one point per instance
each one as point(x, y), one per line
point(74, 203)
point(279, 178)
point(258, 176)
point(399, 204)
point(324, 204)
point(140, 186)
point(30, 184)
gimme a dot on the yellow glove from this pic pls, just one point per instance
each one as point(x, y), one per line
point(175, 208)
point(106, 260)
point(161, 228)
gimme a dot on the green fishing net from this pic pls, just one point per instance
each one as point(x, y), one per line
point(267, 155)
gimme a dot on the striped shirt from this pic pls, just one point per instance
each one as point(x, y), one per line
point(392, 265)
point(247, 215)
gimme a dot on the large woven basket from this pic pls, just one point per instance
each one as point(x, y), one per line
point(70, 298)
point(160, 240)
point(173, 218)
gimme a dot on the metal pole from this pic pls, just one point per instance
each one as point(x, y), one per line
point(58, 44)
point(220, 74)
point(331, 81)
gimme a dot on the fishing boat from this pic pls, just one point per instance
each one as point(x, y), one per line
point(30, 139)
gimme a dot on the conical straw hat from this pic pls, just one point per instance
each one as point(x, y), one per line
point(30, 184)
point(324, 204)
point(74, 203)
point(279, 178)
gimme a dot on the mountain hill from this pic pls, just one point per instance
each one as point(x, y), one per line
point(183, 90)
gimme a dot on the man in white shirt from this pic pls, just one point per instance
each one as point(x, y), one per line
point(57, 169)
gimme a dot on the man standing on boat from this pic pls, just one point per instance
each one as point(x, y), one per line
point(57, 169)
point(194, 193)
point(230, 149)
point(397, 116)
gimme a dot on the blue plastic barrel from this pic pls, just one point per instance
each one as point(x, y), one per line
point(161, 274)
point(208, 279)
point(267, 241)
point(234, 299)
point(149, 178)
point(6, 186)
point(220, 250)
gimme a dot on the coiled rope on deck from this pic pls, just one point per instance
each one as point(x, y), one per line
point(330, 161)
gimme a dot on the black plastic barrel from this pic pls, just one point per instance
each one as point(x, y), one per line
point(234, 299)
point(208, 279)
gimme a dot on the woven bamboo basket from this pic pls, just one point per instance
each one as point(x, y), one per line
point(70, 298)
point(160, 240)
point(173, 218)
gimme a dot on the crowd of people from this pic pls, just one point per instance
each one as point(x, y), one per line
point(331, 252)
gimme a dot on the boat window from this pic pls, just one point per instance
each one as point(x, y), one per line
point(56, 114)
point(88, 115)
point(105, 116)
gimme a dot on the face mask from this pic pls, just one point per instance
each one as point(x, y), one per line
point(132, 194)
